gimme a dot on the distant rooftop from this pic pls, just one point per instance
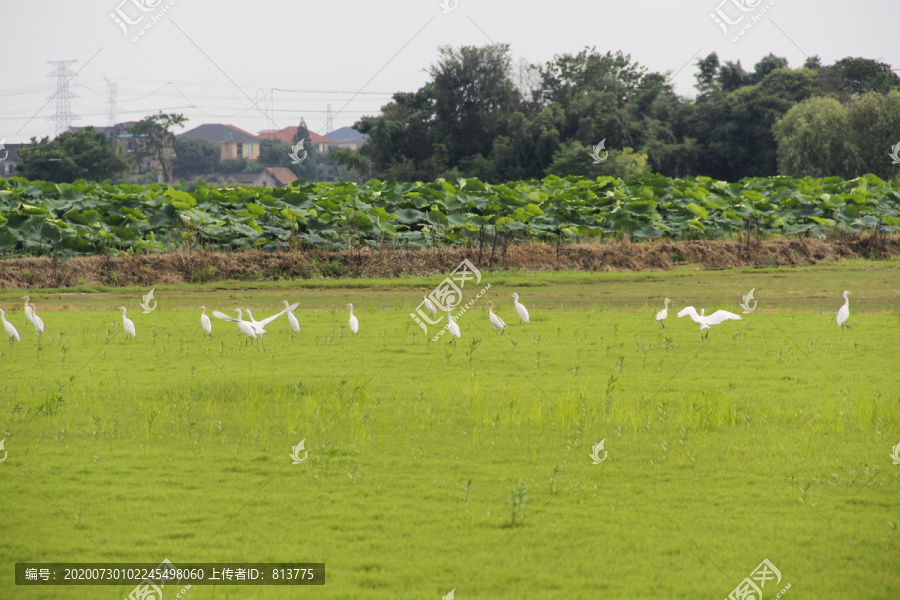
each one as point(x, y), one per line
point(347, 134)
point(287, 135)
point(218, 133)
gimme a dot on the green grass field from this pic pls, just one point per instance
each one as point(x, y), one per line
point(434, 467)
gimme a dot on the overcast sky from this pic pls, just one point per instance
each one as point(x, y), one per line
point(267, 64)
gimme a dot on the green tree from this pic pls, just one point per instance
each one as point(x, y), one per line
point(854, 76)
point(734, 129)
point(875, 129)
point(813, 140)
point(155, 143)
point(404, 134)
point(822, 137)
point(195, 156)
point(472, 87)
point(84, 154)
point(307, 168)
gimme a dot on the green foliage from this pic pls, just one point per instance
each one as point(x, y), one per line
point(574, 159)
point(824, 137)
point(83, 154)
point(195, 156)
point(83, 218)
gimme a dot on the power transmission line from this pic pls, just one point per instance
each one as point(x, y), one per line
point(63, 96)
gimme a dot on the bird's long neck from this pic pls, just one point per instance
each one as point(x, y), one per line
point(846, 299)
point(351, 311)
point(667, 304)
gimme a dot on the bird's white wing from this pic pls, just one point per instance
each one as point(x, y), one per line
point(265, 322)
point(223, 316)
point(721, 315)
point(688, 311)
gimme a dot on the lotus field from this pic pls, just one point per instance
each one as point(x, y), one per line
point(83, 218)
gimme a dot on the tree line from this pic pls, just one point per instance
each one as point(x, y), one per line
point(481, 115)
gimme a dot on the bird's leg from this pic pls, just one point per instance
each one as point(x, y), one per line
point(263, 343)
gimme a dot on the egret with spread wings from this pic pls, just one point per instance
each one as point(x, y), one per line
point(706, 321)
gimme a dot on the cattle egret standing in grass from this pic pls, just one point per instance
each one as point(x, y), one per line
point(428, 303)
point(452, 326)
point(10, 330)
point(354, 322)
point(128, 323)
point(496, 321)
point(205, 322)
point(705, 321)
point(295, 324)
point(844, 312)
point(661, 315)
point(520, 309)
point(29, 312)
point(36, 320)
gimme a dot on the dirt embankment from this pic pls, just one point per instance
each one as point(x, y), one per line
point(197, 267)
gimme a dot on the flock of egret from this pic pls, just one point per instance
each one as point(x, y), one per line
point(254, 329)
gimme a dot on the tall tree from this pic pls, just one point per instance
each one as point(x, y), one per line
point(403, 137)
point(472, 87)
point(155, 143)
point(813, 140)
point(853, 76)
point(83, 154)
point(307, 167)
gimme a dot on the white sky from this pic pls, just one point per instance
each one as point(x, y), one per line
point(212, 60)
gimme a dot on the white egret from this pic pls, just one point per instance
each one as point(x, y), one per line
point(260, 325)
point(661, 315)
point(496, 321)
point(205, 322)
point(452, 326)
point(844, 312)
point(295, 324)
point(245, 327)
point(428, 303)
point(705, 321)
point(29, 312)
point(36, 320)
point(128, 323)
point(520, 309)
point(10, 329)
point(354, 322)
